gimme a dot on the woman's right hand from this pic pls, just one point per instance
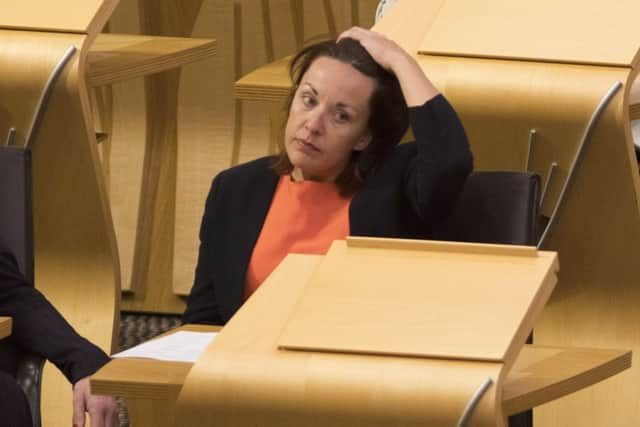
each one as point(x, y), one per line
point(383, 50)
point(416, 87)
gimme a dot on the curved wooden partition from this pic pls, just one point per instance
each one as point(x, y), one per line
point(75, 248)
point(76, 264)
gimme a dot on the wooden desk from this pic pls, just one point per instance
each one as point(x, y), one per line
point(5, 327)
point(540, 374)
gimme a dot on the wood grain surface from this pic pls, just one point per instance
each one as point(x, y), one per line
point(600, 33)
point(5, 326)
point(69, 16)
point(254, 382)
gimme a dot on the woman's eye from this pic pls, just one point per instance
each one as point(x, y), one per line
point(308, 100)
point(342, 117)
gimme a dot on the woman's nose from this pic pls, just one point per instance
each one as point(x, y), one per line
point(314, 122)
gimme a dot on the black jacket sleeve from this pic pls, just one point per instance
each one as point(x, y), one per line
point(38, 327)
point(436, 174)
point(201, 304)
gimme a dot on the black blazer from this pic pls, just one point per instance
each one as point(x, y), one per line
point(416, 187)
point(39, 328)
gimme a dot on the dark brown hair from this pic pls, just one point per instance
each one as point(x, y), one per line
point(389, 116)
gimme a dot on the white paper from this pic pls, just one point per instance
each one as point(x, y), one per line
point(635, 131)
point(182, 346)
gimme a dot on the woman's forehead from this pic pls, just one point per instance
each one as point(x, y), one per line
point(331, 77)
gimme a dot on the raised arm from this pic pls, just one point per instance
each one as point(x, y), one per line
point(434, 177)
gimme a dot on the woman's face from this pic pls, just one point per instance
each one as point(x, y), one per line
point(328, 119)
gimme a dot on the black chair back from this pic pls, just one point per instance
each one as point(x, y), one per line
point(495, 207)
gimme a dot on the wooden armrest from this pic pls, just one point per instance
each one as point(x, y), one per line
point(269, 83)
point(117, 57)
point(542, 374)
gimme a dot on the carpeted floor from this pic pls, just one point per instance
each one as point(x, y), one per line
point(136, 328)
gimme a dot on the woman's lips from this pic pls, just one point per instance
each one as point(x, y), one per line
point(306, 146)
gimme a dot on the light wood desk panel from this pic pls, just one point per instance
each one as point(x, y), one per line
point(5, 327)
point(70, 16)
point(600, 32)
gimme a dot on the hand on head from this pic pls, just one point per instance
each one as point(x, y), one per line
point(416, 87)
point(103, 410)
point(384, 51)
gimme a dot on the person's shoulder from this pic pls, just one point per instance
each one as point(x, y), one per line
point(257, 166)
point(249, 173)
point(404, 149)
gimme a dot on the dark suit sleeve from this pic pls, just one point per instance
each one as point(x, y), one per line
point(201, 304)
point(39, 328)
point(436, 175)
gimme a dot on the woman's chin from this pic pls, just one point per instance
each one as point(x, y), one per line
point(301, 161)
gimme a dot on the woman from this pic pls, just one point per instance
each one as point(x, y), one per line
point(340, 172)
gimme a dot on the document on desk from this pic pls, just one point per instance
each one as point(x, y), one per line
point(182, 346)
point(635, 132)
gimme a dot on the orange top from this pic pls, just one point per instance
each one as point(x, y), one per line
point(304, 217)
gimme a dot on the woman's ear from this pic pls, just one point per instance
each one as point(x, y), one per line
point(363, 142)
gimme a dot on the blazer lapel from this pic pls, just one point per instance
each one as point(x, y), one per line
point(248, 216)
